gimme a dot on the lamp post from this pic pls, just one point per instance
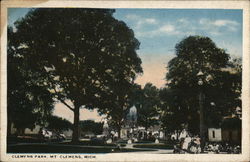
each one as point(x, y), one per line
point(200, 76)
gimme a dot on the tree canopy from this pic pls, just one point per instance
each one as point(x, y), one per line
point(221, 82)
point(83, 53)
point(148, 105)
point(29, 102)
point(91, 126)
point(58, 124)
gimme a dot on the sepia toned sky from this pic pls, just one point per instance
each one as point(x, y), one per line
point(158, 31)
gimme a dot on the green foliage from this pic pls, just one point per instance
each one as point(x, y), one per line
point(86, 55)
point(147, 102)
point(91, 126)
point(87, 50)
point(232, 123)
point(221, 84)
point(58, 123)
point(28, 100)
point(118, 105)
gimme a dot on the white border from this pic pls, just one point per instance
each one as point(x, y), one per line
point(236, 4)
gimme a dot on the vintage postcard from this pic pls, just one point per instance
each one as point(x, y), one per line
point(125, 81)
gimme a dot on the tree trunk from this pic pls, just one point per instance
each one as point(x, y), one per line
point(75, 135)
point(20, 131)
point(9, 127)
point(119, 131)
point(178, 134)
point(146, 129)
point(202, 124)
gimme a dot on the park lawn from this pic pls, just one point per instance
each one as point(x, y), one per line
point(50, 148)
point(39, 148)
point(154, 146)
point(88, 143)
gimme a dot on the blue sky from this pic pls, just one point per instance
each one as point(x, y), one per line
point(158, 31)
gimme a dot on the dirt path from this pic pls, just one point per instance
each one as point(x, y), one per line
point(156, 151)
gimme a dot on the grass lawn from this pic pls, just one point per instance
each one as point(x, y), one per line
point(50, 148)
point(155, 146)
point(88, 143)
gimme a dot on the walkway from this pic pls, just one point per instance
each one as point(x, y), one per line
point(155, 151)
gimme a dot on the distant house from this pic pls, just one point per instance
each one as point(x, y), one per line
point(36, 131)
point(68, 133)
point(214, 134)
point(230, 131)
point(32, 131)
point(87, 134)
point(27, 131)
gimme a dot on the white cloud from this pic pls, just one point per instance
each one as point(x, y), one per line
point(225, 23)
point(183, 21)
point(140, 21)
point(183, 27)
point(216, 24)
point(132, 17)
point(217, 27)
point(167, 28)
point(150, 21)
point(204, 21)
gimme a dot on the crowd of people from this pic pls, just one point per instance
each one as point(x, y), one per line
point(192, 144)
point(219, 147)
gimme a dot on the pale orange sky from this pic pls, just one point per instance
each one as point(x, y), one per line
point(62, 111)
point(154, 69)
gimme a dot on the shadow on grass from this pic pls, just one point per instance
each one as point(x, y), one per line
point(88, 143)
point(45, 148)
point(154, 146)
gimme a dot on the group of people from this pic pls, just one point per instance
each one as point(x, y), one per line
point(188, 144)
point(191, 144)
point(217, 147)
point(48, 135)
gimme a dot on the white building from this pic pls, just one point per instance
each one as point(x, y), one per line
point(214, 134)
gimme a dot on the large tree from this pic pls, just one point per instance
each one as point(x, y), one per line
point(28, 100)
point(84, 53)
point(221, 83)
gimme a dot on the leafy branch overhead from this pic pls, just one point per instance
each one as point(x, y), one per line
point(81, 54)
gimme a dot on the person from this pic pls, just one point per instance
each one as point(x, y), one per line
point(216, 148)
point(186, 142)
point(197, 141)
point(41, 137)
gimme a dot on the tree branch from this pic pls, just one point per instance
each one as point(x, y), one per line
point(66, 104)
point(72, 109)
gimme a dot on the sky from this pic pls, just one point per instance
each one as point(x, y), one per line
point(158, 31)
